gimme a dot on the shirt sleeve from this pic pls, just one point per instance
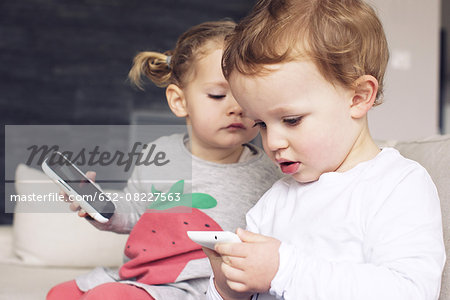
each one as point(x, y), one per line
point(212, 293)
point(403, 250)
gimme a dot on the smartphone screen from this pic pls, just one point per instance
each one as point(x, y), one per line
point(75, 180)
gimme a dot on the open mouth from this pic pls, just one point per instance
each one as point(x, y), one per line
point(289, 167)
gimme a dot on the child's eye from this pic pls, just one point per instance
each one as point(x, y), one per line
point(217, 97)
point(292, 121)
point(260, 124)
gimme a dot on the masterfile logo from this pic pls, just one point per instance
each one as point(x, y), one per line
point(140, 154)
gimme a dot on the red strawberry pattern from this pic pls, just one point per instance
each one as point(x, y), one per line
point(158, 246)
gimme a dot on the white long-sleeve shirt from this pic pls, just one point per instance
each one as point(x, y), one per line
point(373, 232)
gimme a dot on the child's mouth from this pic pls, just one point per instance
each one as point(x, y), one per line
point(235, 126)
point(289, 167)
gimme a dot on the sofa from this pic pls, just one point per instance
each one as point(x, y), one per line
point(40, 250)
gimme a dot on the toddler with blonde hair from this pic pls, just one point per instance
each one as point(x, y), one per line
point(351, 221)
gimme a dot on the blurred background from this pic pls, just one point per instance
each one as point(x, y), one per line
point(66, 62)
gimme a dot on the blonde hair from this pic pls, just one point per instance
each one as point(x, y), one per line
point(343, 38)
point(174, 66)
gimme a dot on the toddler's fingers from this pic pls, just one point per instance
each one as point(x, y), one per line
point(250, 237)
point(82, 213)
point(237, 286)
point(233, 274)
point(235, 262)
point(66, 197)
point(91, 175)
point(74, 206)
point(231, 249)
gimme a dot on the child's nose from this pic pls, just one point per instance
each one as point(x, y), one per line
point(234, 108)
point(274, 140)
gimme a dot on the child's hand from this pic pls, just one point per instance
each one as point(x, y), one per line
point(74, 206)
point(250, 266)
point(220, 280)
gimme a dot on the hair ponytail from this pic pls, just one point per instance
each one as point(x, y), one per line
point(153, 65)
point(176, 65)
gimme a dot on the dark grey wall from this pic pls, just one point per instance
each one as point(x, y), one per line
point(66, 62)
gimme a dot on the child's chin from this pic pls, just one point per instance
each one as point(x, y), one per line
point(302, 177)
point(235, 141)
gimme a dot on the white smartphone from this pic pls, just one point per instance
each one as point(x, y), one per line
point(209, 239)
point(80, 188)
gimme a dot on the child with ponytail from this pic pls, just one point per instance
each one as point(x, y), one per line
point(228, 175)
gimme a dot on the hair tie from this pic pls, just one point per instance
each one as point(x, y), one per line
point(168, 59)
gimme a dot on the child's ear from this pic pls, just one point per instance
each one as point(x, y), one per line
point(366, 89)
point(176, 100)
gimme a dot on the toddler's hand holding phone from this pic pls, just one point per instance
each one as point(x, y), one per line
point(75, 206)
point(74, 182)
point(242, 269)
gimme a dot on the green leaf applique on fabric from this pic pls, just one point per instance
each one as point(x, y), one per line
point(194, 200)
